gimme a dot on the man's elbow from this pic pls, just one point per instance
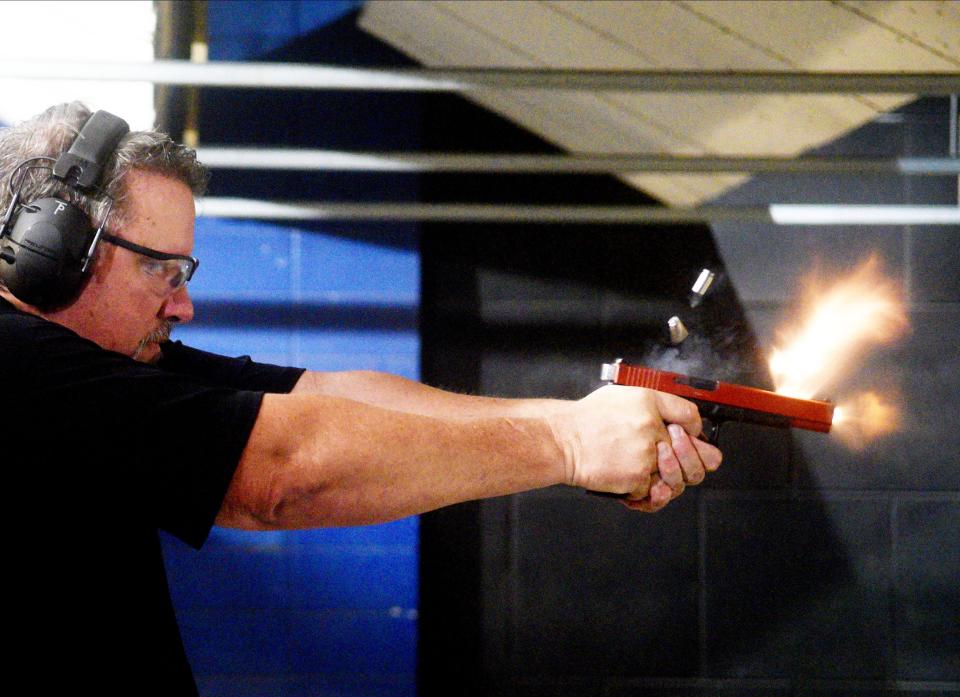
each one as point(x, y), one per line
point(264, 481)
point(254, 502)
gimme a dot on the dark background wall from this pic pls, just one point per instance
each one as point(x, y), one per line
point(802, 567)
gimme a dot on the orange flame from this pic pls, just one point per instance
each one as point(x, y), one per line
point(841, 321)
point(863, 417)
point(838, 324)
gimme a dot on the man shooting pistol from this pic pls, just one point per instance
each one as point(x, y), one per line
point(116, 431)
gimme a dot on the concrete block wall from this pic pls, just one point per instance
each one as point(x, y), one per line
point(300, 612)
point(893, 613)
point(802, 567)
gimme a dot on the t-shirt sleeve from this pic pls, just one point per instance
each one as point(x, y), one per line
point(114, 439)
point(240, 373)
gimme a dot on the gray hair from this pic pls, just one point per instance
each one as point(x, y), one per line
point(51, 133)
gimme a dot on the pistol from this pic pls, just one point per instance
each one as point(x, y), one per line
point(720, 402)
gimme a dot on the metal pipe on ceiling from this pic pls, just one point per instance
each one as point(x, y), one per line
point(954, 129)
point(780, 214)
point(333, 160)
point(326, 77)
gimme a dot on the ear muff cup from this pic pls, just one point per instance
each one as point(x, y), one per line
point(48, 242)
point(44, 255)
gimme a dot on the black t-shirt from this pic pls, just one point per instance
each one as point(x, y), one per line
point(100, 452)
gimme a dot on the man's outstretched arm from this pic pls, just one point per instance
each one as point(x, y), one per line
point(315, 460)
point(682, 459)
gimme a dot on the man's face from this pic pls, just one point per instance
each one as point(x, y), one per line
point(125, 306)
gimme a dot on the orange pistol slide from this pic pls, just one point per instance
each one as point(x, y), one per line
point(719, 402)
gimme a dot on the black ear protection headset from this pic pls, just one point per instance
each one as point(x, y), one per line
point(47, 251)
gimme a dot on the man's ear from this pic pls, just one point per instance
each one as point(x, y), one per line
point(103, 260)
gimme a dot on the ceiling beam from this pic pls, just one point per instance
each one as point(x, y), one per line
point(582, 163)
point(781, 214)
point(328, 77)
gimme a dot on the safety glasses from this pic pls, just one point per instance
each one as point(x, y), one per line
point(176, 270)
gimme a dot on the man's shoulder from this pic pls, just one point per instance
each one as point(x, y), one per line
point(241, 372)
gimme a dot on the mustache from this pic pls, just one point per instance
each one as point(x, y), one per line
point(159, 334)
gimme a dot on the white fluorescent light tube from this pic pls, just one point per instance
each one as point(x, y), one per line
point(232, 74)
point(289, 158)
point(839, 214)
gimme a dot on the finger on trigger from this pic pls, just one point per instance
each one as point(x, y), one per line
point(676, 410)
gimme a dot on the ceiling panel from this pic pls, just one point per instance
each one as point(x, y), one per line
point(674, 35)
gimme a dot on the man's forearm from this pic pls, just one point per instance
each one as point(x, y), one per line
point(397, 393)
point(314, 460)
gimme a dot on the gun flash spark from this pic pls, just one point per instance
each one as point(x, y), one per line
point(719, 402)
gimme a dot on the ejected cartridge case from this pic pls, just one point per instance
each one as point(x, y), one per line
point(701, 287)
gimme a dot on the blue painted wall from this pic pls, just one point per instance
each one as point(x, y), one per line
point(333, 611)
